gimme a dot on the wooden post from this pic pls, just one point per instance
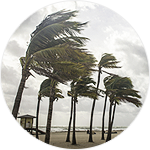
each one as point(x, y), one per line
point(25, 124)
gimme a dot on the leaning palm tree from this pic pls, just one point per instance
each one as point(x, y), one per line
point(119, 89)
point(55, 30)
point(107, 61)
point(54, 94)
point(86, 73)
point(55, 51)
point(44, 92)
point(80, 87)
point(130, 96)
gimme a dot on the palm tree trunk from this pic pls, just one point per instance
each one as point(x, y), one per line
point(93, 107)
point(103, 119)
point(112, 120)
point(19, 95)
point(69, 126)
point(109, 124)
point(91, 122)
point(37, 116)
point(114, 109)
point(74, 119)
point(49, 117)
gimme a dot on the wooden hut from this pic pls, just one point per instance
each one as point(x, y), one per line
point(26, 121)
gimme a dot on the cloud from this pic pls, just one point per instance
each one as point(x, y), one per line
point(22, 33)
point(13, 48)
point(135, 56)
point(9, 75)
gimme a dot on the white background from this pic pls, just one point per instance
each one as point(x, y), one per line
point(14, 12)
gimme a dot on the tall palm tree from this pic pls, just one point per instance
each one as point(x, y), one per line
point(120, 89)
point(107, 61)
point(50, 36)
point(80, 87)
point(44, 92)
point(54, 94)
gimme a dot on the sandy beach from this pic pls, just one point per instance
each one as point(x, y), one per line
point(58, 139)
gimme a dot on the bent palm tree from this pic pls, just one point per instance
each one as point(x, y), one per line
point(80, 87)
point(54, 94)
point(53, 31)
point(107, 61)
point(44, 92)
point(120, 89)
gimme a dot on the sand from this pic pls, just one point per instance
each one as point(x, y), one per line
point(58, 139)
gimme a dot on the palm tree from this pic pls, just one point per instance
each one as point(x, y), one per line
point(50, 37)
point(80, 87)
point(120, 89)
point(44, 92)
point(54, 93)
point(107, 61)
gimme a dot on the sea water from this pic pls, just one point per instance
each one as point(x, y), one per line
point(78, 128)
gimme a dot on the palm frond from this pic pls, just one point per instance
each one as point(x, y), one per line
point(56, 51)
point(45, 89)
point(57, 17)
point(83, 86)
point(111, 65)
point(132, 100)
point(117, 82)
point(55, 27)
point(108, 61)
point(121, 89)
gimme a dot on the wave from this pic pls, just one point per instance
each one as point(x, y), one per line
point(78, 128)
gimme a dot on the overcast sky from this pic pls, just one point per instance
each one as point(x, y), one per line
point(108, 33)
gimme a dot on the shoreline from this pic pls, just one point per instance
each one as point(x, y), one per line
point(58, 139)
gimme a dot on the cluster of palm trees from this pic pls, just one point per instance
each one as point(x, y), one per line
point(56, 52)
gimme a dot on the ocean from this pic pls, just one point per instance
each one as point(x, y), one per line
point(78, 128)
